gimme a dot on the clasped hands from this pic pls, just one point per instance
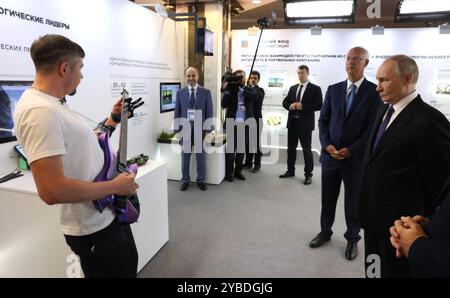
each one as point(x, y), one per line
point(405, 231)
point(296, 106)
point(338, 154)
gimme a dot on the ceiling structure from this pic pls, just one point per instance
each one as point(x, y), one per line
point(246, 13)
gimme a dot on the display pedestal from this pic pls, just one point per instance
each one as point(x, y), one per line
point(31, 240)
point(215, 161)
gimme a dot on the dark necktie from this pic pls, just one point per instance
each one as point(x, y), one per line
point(192, 98)
point(383, 126)
point(299, 95)
point(351, 95)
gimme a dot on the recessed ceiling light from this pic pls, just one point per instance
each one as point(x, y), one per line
point(256, 1)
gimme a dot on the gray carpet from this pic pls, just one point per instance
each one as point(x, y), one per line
point(260, 227)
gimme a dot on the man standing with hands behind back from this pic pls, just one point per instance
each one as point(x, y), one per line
point(302, 101)
point(345, 123)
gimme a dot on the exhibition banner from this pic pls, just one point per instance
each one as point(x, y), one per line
point(282, 51)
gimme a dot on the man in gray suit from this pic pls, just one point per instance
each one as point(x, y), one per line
point(193, 106)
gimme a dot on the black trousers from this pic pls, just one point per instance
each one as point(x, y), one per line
point(255, 153)
point(332, 178)
point(110, 252)
point(390, 265)
point(295, 133)
point(234, 155)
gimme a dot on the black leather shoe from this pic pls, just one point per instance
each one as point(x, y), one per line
point(184, 186)
point(308, 180)
point(287, 174)
point(201, 185)
point(239, 176)
point(319, 240)
point(229, 178)
point(351, 251)
point(255, 169)
point(247, 166)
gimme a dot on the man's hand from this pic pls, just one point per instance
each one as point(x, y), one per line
point(299, 106)
point(116, 109)
point(332, 151)
point(422, 221)
point(403, 234)
point(125, 185)
point(343, 153)
point(293, 107)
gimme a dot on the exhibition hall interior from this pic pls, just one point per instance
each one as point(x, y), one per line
point(224, 138)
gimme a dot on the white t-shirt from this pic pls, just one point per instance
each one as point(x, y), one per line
point(46, 128)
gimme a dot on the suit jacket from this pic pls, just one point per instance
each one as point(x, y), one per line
point(311, 102)
point(430, 257)
point(408, 169)
point(258, 102)
point(230, 102)
point(351, 130)
point(203, 102)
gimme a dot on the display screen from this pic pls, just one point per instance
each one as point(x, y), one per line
point(168, 95)
point(10, 93)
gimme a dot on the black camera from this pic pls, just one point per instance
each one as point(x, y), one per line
point(233, 81)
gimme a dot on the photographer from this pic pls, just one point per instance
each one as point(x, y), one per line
point(238, 100)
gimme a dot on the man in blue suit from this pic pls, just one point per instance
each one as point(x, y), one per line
point(194, 106)
point(345, 123)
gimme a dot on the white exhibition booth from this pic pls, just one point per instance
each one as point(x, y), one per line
point(126, 46)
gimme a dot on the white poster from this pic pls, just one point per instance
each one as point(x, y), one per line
point(282, 51)
point(126, 45)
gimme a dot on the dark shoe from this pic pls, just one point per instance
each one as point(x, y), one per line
point(308, 180)
point(351, 251)
point(239, 176)
point(247, 166)
point(229, 178)
point(255, 169)
point(201, 185)
point(184, 186)
point(287, 174)
point(319, 240)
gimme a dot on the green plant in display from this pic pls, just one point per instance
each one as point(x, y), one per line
point(139, 160)
point(166, 135)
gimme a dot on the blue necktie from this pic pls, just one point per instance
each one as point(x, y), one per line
point(383, 126)
point(192, 98)
point(351, 95)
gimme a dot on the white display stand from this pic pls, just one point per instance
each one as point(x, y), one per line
point(215, 161)
point(31, 241)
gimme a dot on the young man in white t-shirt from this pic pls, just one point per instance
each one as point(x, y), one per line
point(65, 157)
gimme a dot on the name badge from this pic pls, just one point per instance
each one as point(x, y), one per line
point(191, 115)
point(241, 107)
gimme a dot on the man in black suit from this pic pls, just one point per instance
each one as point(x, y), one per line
point(407, 161)
point(302, 101)
point(345, 123)
point(426, 243)
point(251, 150)
point(238, 100)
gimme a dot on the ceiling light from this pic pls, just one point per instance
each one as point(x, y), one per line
point(421, 10)
point(314, 9)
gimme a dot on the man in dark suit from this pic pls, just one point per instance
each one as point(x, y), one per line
point(238, 100)
point(194, 106)
point(407, 161)
point(345, 123)
point(426, 243)
point(254, 150)
point(301, 101)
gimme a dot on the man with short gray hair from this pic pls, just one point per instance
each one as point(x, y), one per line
point(407, 162)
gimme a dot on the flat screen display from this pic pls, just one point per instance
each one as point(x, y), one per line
point(10, 93)
point(168, 95)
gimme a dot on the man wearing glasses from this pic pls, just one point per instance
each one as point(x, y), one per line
point(345, 122)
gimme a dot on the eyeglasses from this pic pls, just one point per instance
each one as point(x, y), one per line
point(354, 59)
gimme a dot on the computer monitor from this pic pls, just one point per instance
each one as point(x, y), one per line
point(167, 96)
point(205, 42)
point(10, 93)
